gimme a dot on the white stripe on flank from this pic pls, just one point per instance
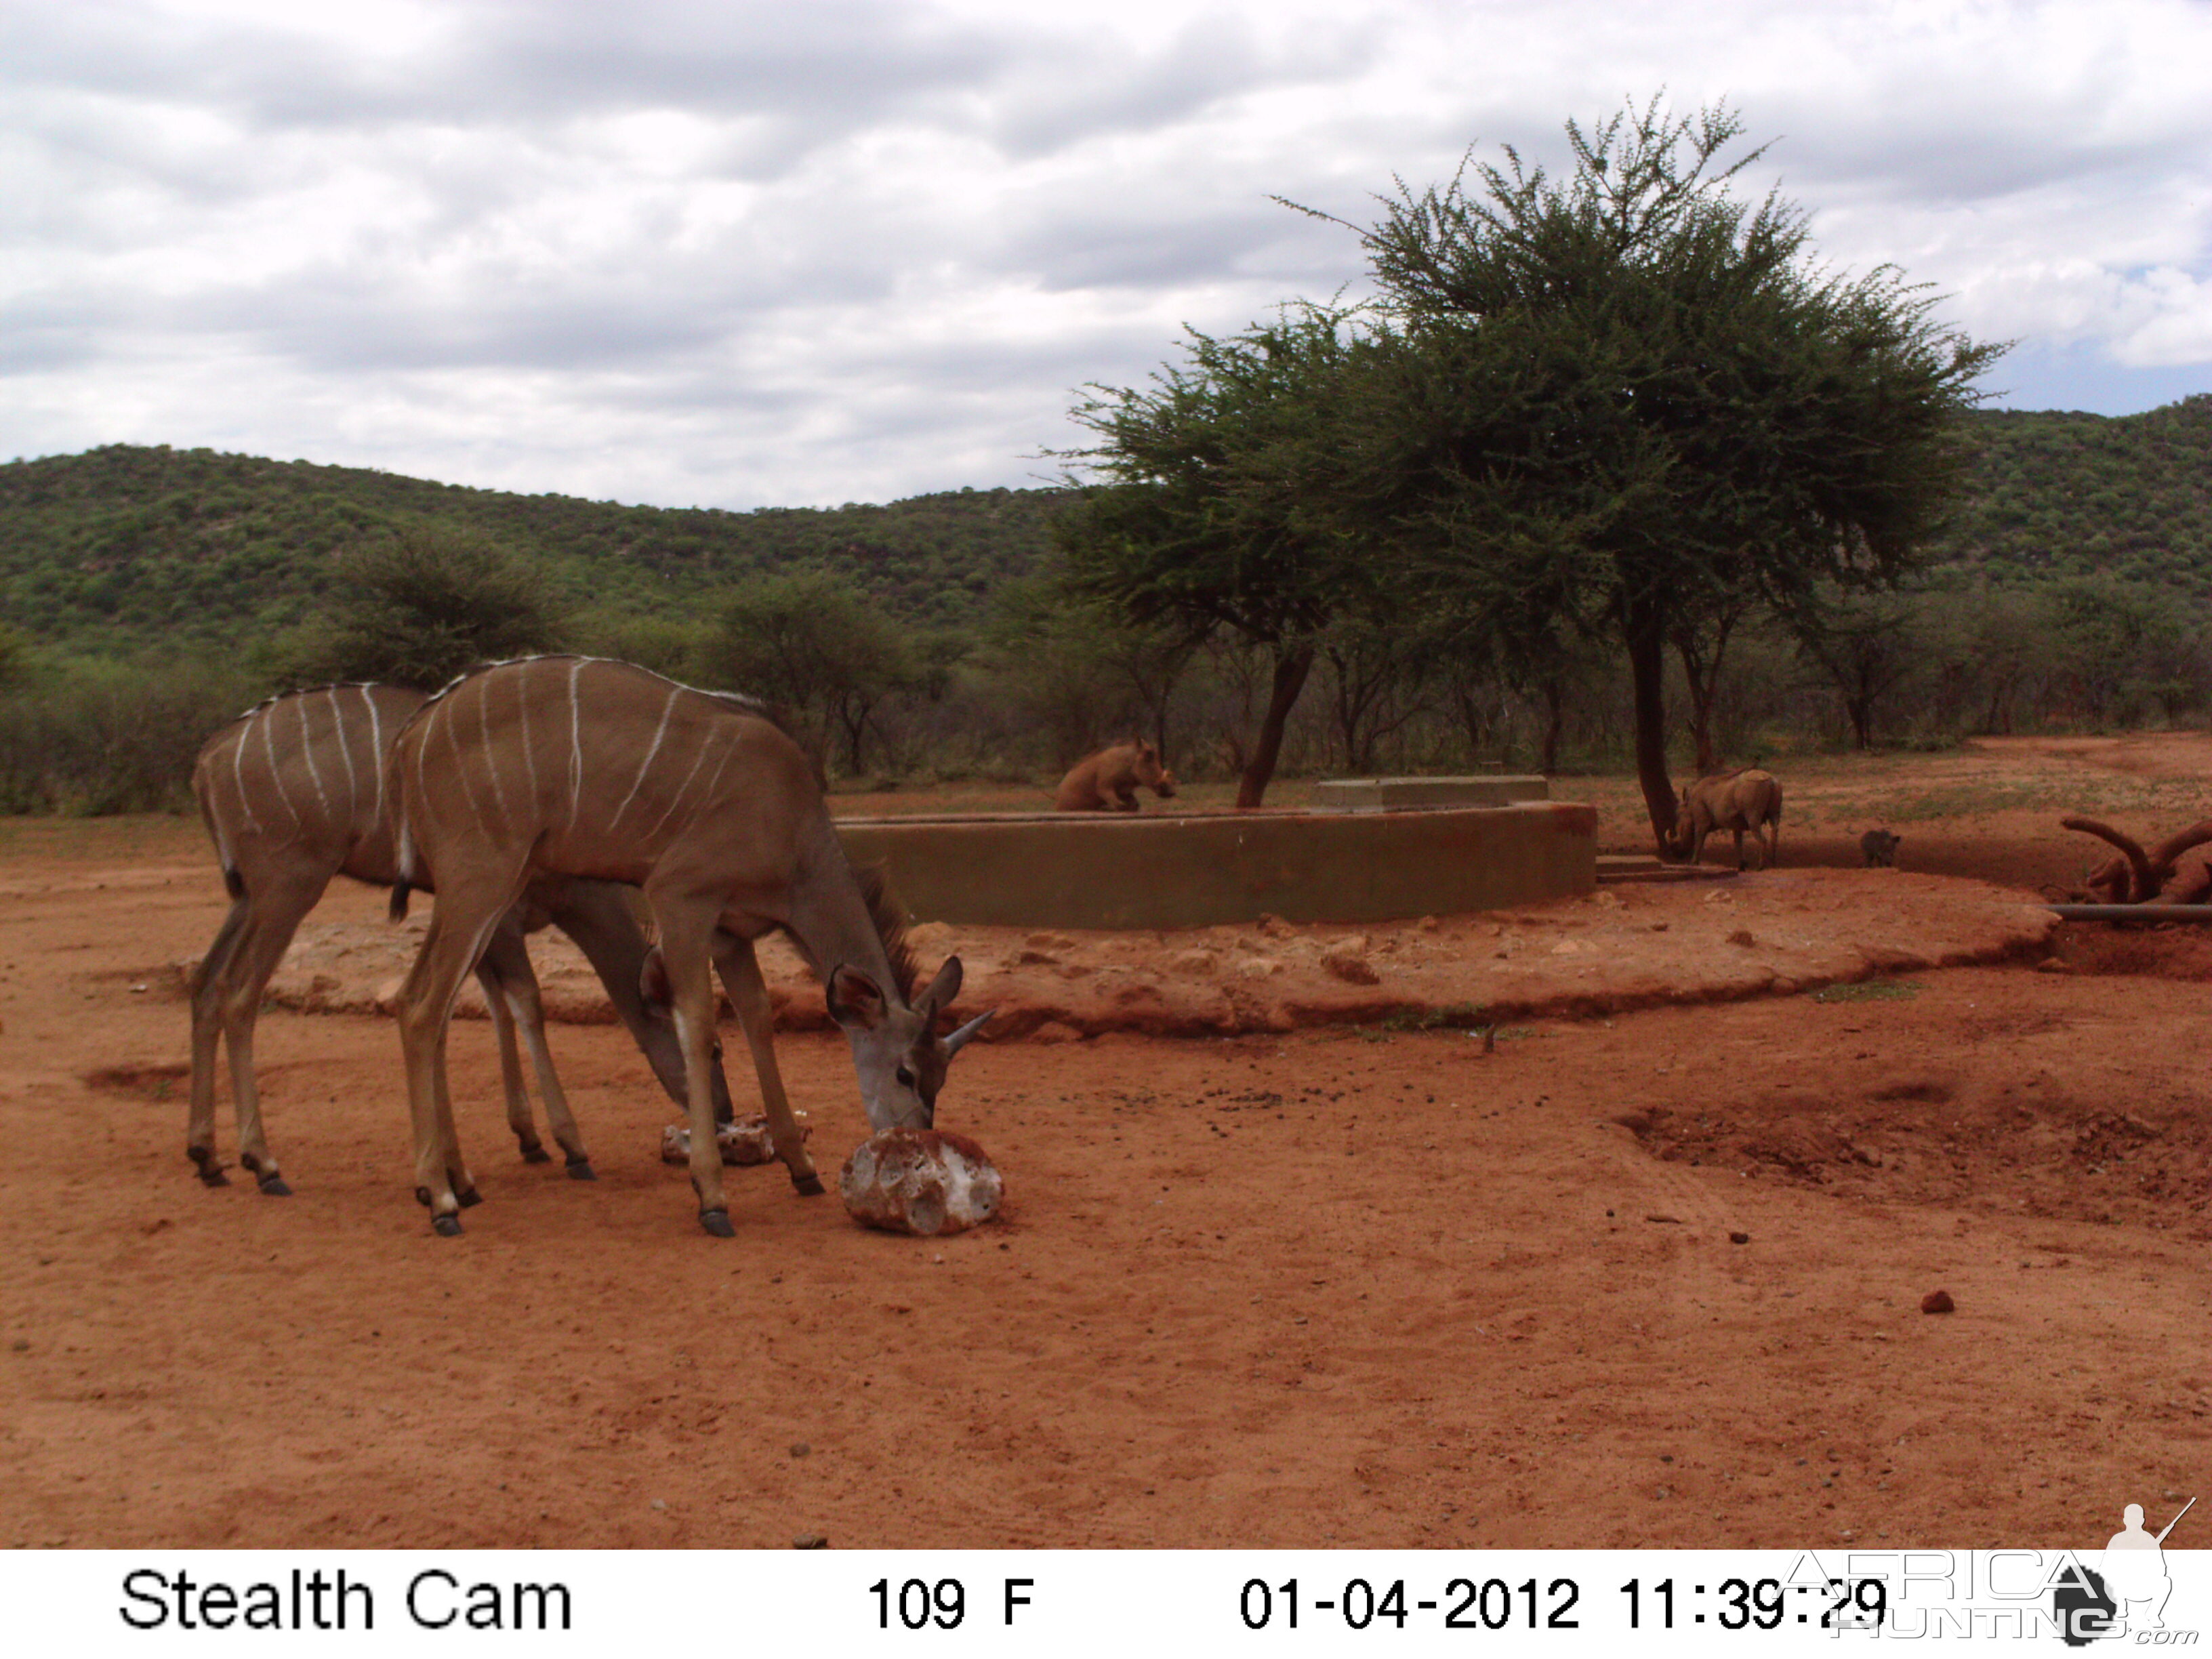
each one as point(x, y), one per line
point(345, 752)
point(375, 750)
point(646, 765)
point(491, 761)
point(237, 777)
point(707, 793)
point(269, 747)
point(529, 755)
point(698, 756)
point(576, 744)
point(307, 749)
point(405, 828)
point(460, 768)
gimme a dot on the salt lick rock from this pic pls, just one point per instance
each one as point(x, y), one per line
point(746, 1140)
point(924, 1182)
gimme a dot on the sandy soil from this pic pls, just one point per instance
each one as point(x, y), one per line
point(1309, 1280)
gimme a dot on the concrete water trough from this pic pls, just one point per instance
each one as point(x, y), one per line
point(1388, 795)
point(1114, 870)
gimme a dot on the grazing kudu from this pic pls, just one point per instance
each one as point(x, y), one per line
point(1108, 781)
point(293, 793)
point(576, 766)
point(1747, 799)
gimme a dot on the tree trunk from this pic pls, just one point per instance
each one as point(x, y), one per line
point(1644, 622)
point(1555, 722)
point(1292, 664)
point(1701, 674)
point(1861, 712)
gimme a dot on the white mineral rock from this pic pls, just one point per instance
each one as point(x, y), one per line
point(921, 1180)
point(746, 1141)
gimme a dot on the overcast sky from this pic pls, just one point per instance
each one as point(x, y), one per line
point(731, 254)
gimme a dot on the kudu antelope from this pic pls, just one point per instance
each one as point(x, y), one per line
point(579, 767)
point(293, 793)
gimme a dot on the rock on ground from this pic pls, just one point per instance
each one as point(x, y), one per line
point(924, 1182)
point(744, 1141)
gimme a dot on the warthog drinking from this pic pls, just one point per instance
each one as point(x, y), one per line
point(1748, 799)
point(1108, 781)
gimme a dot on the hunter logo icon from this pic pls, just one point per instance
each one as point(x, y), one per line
point(2128, 1595)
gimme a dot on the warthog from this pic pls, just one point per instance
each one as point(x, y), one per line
point(1108, 781)
point(1749, 799)
point(1881, 849)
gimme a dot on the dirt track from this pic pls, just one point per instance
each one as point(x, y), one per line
point(1330, 1286)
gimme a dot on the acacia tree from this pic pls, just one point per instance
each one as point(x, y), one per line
point(815, 645)
point(1216, 501)
point(421, 607)
point(1631, 393)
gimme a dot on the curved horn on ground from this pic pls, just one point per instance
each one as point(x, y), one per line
point(2146, 884)
point(2162, 856)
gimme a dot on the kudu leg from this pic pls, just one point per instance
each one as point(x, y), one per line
point(460, 926)
point(687, 934)
point(596, 915)
point(508, 959)
point(276, 912)
point(518, 1118)
point(208, 983)
point(741, 977)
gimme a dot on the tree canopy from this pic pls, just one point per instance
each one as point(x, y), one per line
point(419, 609)
point(1631, 396)
point(1625, 403)
point(1219, 500)
point(820, 649)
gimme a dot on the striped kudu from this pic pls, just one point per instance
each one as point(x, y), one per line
point(580, 766)
point(293, 793)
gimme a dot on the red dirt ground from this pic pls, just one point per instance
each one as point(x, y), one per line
point(1338, 1284)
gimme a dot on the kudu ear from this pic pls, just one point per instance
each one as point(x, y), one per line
point(855, 999)
point(653, 984)
point(941, 991)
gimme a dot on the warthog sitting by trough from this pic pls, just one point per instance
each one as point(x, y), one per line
point(1748, 799)
point(1108, 781)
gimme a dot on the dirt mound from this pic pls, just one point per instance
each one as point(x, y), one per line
point(1634, 946)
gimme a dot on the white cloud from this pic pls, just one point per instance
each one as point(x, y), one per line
point(767, 253)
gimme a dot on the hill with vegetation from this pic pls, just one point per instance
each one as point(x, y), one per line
point(2053, 493)
point(123, 547)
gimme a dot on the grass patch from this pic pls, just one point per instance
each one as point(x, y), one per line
point(1460, 1016)
point(1870, 990)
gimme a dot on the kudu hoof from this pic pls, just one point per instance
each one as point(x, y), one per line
point(468, 1198)
point(535, 1153)
point(807, 1186)
point(717, 1222)
point(579, 1169)
point(210, 1172)
point(273, 1184)
point(449, 1226)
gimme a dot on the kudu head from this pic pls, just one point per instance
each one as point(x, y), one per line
point(901, 1060)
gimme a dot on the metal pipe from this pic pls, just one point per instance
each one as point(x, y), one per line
point(2132, 912)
